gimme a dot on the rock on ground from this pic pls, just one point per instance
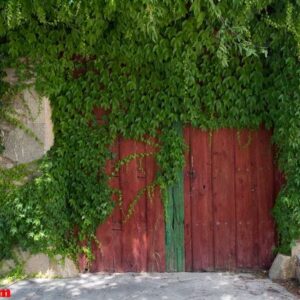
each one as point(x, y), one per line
point(298, 267)
point(163, 286)
point(43, 264)
point(296, 248)
point(283, 267)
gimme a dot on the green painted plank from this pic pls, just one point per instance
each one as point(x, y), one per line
point(175, 223)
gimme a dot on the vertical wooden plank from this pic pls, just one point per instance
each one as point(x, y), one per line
point(224, 199)
point(134, 242)
point(246, 213)
point(265, 196)
point(201, 201)
point(175, 222)
point(171, 265)
point(155, 221)
point(117, 231)
point(174, 227)
point(187, 205)
point(117, 214)
point(254, 197)
point(107, 250)
point(104, 258)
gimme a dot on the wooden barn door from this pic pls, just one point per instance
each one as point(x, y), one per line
point(229, 194)
point(218, 215)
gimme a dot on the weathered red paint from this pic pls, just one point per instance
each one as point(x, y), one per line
point(230, 185)
point(223, 199)
point(246, 204)
point(137, 244)
point(233, 184)
point(134, 241)
point(265, 193)
point(187, 205)
point(107, 253)
point(201, 201)
point(155, 221)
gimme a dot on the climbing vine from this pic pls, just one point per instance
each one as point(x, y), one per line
point(149, 64)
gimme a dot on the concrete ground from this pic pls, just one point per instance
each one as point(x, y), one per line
point(163, 286)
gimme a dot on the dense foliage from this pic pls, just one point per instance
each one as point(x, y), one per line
point(149, 64)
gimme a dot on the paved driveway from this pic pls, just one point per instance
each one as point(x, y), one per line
point(165, 286)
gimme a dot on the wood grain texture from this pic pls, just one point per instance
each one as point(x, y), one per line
point(187, 204)
point(155, 220)
point(201, 201)
point(229, 185)
point(134, 246)
point(246, 204)
point(223, 182)
point(265, 194)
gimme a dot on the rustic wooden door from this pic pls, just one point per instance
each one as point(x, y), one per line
point(219, 210)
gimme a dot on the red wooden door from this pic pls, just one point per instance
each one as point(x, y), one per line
point(230, 191)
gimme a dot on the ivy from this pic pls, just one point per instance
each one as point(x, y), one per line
point(149, 65)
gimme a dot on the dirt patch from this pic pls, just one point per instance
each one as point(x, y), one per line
point(291, 285)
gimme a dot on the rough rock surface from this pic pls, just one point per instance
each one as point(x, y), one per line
point(168, 286)
point(34, 113)
point(283, 267)
point(6, 266)
point(296, 248)
point(37, 263)
point(298, 267)
point(41, 264)
point(63, 267)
